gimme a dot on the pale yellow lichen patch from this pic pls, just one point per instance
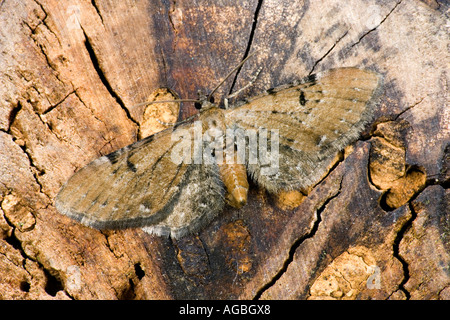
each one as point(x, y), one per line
point(387, 163)
point(159, 116)
point(404, 188)
point(288, 200)
point(352, 272)
point(17, 214)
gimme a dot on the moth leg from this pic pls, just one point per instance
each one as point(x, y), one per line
point(251, 82)
point(234, 177)
point(171, 124)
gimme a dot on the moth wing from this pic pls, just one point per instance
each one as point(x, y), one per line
point(315, 117)
point(134, 186)
point(200, 200)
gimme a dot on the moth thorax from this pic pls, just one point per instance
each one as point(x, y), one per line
point(213, 118)
point(234, 176)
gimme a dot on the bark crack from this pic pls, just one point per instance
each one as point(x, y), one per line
point(408, 108)
point(97, 66)
point(41, 47)
point(164, 64)
point(376, 27)
point(97, 9)
point(328, 52)
point(170, 13)
point(396, 250)
point(45, 23)
point(400, 235)
point(53, 283)
point(35, 170)
point(12, 116)
point(249, 42)
point(297, 244)
point(58, 103)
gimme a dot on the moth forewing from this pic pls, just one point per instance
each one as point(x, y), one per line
point(130, 187)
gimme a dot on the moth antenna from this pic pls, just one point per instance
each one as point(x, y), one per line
point(225, 100)
point(231, 72)
point(172, 124)
point(251, 82)
point(164, 101)
point(210, 95)
point(166, 123)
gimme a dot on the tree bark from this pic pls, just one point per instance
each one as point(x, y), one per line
point(376, 227)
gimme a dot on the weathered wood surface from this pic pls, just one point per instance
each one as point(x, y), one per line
point(376, 227)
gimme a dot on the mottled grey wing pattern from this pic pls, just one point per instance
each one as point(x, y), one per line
point(201, 199)
point(316, 117)
point(140, 185)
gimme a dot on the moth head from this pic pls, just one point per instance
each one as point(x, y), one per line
point(204, 102)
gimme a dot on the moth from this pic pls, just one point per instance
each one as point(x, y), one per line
point(143, 185)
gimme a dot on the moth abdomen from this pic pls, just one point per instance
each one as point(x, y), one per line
point(234, 177)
